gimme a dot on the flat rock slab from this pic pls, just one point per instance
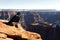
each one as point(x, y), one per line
point(11, 32)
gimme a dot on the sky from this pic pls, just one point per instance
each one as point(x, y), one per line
point(30, 4)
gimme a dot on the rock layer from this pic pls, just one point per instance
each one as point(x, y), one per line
point(12, 33)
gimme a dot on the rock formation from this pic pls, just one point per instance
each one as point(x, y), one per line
point(12, 33)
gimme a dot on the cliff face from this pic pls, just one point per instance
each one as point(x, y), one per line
point(12, 33)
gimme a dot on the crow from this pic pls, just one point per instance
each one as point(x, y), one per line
point(15, 19)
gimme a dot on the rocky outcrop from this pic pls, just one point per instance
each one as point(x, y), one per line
point(12, 33)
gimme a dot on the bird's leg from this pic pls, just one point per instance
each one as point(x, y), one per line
point(15, 24)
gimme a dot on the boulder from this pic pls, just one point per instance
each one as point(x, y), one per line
point(12, 33)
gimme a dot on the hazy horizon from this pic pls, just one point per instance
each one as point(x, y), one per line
point(29, 4)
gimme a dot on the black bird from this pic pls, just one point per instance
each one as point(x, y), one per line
point(15, 19)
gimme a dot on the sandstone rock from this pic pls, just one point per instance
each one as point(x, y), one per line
point(6, 39)
point(19, 33)
point(3, 35)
